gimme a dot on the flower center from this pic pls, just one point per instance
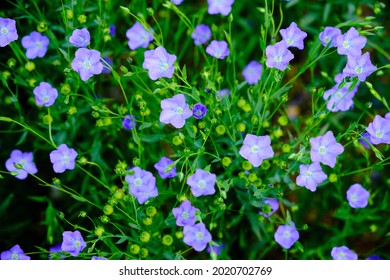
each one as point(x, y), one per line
point(46, 98)
point(138, 182)
point(287, 234)
point(341, 255)
point(346, 44)
point(4, 31)
point(184, 215)
point(326, 39)
point(198, 112)
point(289, 42)
point(38, 44)
point(201, 184)
point(77, 244)
point(379, 134)
point(278, 58)
point(199, 235)
point(353, 198)
point(308, 174)
point(255, 149)
point(165, 66)
point(179, 110)
point(322, 150)
point(65, 159)
point(14, 256)
point(358, 70)
point(22, 163)
point(87, 64)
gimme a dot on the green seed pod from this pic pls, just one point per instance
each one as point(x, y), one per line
point(144, 236)
point(167, 240)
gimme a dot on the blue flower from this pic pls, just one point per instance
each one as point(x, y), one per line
point(201, 34)
point(87, 63)
point(185, 214)
point(343, 253)
point(21, 164)
point(164, 168)
point(35, 45)
point(199, 111)
point(15, 253)
point(252, 72)
point(64, 158)
point(8, 32)
point(286, 235)
point(159, 63)
point(138, 36)
point(129, 122)
point(202, 183)
point(196, 236)
point(45, 94)
point(72, 242)
point(80, 38)
point(142, 184)
point(218, 49)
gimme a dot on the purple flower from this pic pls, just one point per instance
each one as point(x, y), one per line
point(379, 130)
point(252, 72)
point(72, 242)
point(357, 196)
point(129, 122)
point(273, 206)
point(196, 236)
point(107, 70)
point(364, 138)
point(278, 56)
point(325, 149)
point(374, 257)
point(359, 66)
point(256, 149)
point(112, 28)
point(177, 2)
point(218, 49)
point(21, 163)
point(175, 111)
point(15, 253)
point(222, 93)
point(35, 44)
point(201, 34)
point(96, 258)
point(199, 111)
point(202, 183)
point(387, 116)
point(329, 34)
point(223, 7)
point(185, 214)
point(293, 36)
point(138, 36)
point(310, 176)
point(142, 184)
point(343, 253)
point(63, 158)
point(8, 32)
point(56, 252)
point(87, 63)
point(80, 38)
point(350, 43)
point(339, 99)
point(286, 235)
point(216, 249)
point(45, 94)
point(165, 168)
point(159, 63)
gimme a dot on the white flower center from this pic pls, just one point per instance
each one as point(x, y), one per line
point(4, 31)
point(199, 235)
point(65, 159)
point(46, 98)
point(341, 255)
point(346, 44)
point(138, 182)
point(77, 244)
point(379, 134)
point(326, 39)
point(278, 58)
point(201, 184)
point(184, 215)
point(87, 64)
point(179, 110)
point(165, 66)
point(322, 150)
point(38, 44)
point(14, 256)
point(308, 174)
point(353, 198)
point(289, 42)
point(287, 234)
point(358, 70)
point(255, 149)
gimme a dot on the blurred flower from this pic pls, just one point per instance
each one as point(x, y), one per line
point(196, 236)
point(177, 2)
point(112, 29)
point(80, 38)
point(364, 138)
point(45, 94)
point(202, 183)
point(286, 235)
point(185, 214)
point(218, 49)
point(96, 258)
point(379, 130)
point(351, 43)
point(159, 63)
point(63, 158)
point(21, 163)
point(310, 176)
point(293, 36)
point(278, 56)
point(35, 45)
point(201, 34)
point(175, 111)
point(87, 63)
point(256, 149)
point(359, 66)
point(272, 204)
point(142, 184)
point(72, 242)
point(343, 253)
point(252, 72)
point(329, 34)
point(374, 257)
point(129, 122)
point(199, 111)
point(56, 252)
point(8, 32)
point(106, 70)
point(138, 36)
point(15, 253)
point(325, 149)
point(163, 168)
point(216, 249)
point(357, 196)
point(223, 93)
point(223, 7)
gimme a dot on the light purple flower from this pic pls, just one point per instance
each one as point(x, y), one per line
point(216, 249)
point(112, 28)
point(142, 184)
point(351, 43)
point(359, 66)
point(218, 49)
point(256, 149)
point(56, 252)
point(339, 99)
point(199, 111)
point(87, 63)
point(80, 38)
point(329, 34)
point(165, 168)
point(175, 111)
point(35, 45)
point(278, 56)
point(159, 63)
point(96, 258)
point(273, 205)
point(222, 93)
point(8, 32)
point(129, 122)
point(201, 34)
point(64, 158)
point(202, 183)
point(21, 163)
point(138, 36)
point(293, 36)
point(387, 116)
point(286, 235)
point(310, 176)
point(177, 2)
point(185, 214)
point(325, 149)
point(72, 242)
point(45, 94)
point(196, 236)
point(15, 253)
point(357, 196)
point(223, 7)
point(364, 138)
point(343, 253)
point(252, 72)
point(108, 61)
point(379, 130)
